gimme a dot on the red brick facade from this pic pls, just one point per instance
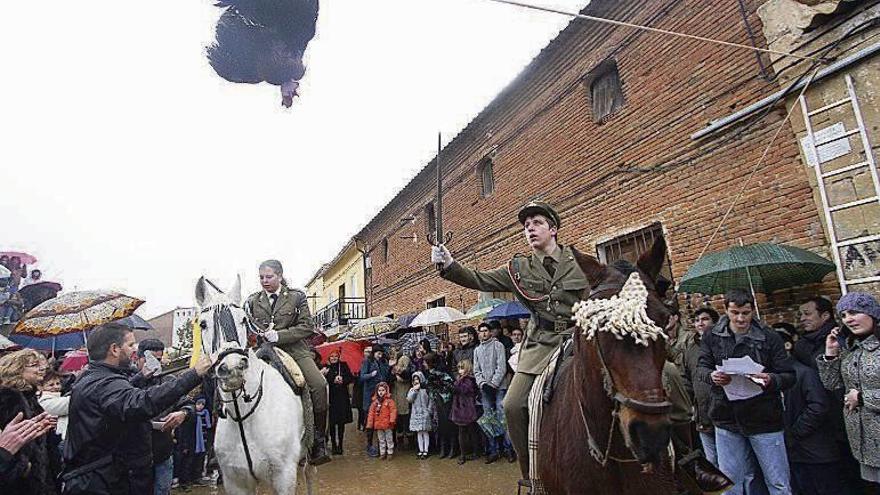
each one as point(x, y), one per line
point(637, 167)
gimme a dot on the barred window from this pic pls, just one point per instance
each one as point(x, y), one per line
point(630, 246)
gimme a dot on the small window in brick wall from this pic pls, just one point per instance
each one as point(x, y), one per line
point(385, 249)
point(606, 93)
point(430, 219)
point(487, 177)
point(630, 246)
point(436, 303)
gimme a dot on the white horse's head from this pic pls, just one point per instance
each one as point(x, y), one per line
point(224, 326)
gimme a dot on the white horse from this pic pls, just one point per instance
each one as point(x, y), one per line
point(260, 424)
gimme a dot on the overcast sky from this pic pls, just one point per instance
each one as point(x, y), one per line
point(128, 164)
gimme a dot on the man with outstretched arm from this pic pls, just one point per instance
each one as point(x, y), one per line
point(548, 282)
point(104, 451)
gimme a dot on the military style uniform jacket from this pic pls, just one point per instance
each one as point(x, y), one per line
point(548, 298)
point(291, 316)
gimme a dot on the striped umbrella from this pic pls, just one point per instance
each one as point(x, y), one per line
point(482, 308)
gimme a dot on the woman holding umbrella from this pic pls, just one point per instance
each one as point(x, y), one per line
point(338, 377)
point(21, 372)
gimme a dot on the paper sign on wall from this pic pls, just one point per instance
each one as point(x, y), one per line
point(833, 148)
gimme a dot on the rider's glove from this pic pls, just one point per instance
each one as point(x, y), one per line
point(439, 254)
point(271, 336)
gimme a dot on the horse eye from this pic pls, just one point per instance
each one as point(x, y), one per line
point(203, 324)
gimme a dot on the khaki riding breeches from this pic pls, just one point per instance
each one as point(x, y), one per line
point(516, 412)
point(317, 384)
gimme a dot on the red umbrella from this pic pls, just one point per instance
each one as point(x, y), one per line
point(26, 259)
point(351, 352)
point(75, 360)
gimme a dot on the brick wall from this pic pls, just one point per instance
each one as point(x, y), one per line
point(637, 167)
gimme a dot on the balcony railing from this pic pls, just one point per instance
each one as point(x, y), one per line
point(345, 311)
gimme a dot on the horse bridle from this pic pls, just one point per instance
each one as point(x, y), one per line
point(222, 319)
point(618, 398)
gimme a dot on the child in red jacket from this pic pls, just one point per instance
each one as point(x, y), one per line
point(383, 418)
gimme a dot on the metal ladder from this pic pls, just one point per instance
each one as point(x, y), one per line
point(821, 175)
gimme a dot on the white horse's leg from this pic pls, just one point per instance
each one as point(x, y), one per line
point(284, 482)
point(239, 485)
point(309, 472)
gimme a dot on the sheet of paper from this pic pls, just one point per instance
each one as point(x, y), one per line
point(741, 366)
point(741, 387)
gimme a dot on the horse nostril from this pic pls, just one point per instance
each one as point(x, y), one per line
point(222, 370)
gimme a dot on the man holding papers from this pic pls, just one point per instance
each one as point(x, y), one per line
point(748, 367)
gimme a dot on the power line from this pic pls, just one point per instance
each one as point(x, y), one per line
point(652, 29)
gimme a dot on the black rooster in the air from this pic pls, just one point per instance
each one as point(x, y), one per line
point(264, 40)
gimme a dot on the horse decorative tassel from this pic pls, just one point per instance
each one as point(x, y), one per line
point(623, 315)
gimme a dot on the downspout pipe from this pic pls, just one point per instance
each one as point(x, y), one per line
point(719, 124)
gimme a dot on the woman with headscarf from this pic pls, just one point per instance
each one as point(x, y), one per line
point(855, 367)
point(282, 314)
point(39, 462)
point(338, 376)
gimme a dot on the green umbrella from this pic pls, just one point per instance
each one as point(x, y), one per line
point(762, 267)
point(482, 308)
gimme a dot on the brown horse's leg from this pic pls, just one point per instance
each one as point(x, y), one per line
point(516, 412)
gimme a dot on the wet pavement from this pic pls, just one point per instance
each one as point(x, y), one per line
point(356, 473)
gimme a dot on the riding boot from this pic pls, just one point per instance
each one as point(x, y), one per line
point(319, 453)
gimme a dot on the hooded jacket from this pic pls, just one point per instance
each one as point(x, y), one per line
point(421, 410)
point(383, 411)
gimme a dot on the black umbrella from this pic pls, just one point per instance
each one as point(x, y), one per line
point(135, 322)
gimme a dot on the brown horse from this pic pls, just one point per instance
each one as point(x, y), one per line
point(606, 430)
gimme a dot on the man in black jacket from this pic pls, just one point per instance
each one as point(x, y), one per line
point(817, 320)
point(753, 425)
point(104, 451)
point(812, 452)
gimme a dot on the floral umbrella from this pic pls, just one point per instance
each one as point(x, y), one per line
point(63, 322)
point(372, 327)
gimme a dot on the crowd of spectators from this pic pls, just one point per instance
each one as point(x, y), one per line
point(443, 401)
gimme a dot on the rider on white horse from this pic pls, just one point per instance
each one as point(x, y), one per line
point(283, 315)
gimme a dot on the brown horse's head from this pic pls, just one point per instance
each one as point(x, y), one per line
point(630, 372)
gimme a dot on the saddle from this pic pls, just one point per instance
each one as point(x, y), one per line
point(563, 360)
point(285, 365)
